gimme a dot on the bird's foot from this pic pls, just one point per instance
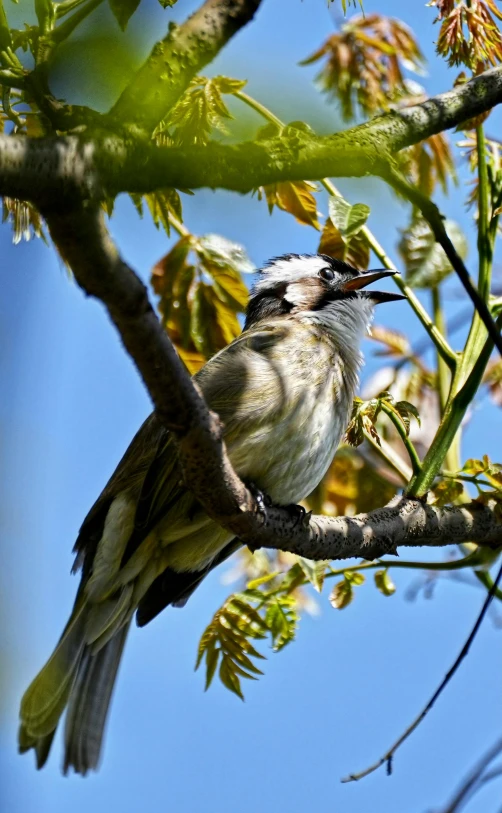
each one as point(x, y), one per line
point(263, 501)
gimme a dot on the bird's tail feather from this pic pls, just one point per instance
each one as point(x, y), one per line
point(76, 677)
point(89, 703)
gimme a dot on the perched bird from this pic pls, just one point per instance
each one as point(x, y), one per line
point(283, 390)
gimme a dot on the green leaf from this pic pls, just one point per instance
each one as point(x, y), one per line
point(384, 582)
point(282, 620)
point(405, 409)
point(447, 491)
point(212, 656)
point(314, 571)
point(123, 10)
point(229, 677)
point(473, 466)
point(348, 219)
point(341, 595)
point(168, 3)
point(5, 35)
point(227, 85)
point(426, 263)
point(354, 577)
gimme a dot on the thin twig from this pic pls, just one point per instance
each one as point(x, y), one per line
point(475, 778)
point(435, 220)
point(387, 758)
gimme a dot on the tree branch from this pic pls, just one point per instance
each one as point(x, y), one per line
point(102, 163)
point(176, 59)
point(84, 243)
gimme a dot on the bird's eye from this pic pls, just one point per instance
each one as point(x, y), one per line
point(327, 274)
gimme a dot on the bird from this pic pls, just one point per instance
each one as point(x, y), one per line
point(283, 390)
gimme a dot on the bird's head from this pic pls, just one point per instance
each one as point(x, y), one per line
point(317, 287)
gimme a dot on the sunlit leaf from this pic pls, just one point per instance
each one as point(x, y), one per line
point(201, 109)
point(314, 571)
point(397, 344)
point(296, 198)
point(225, 254)
point(25, 219)
point(447, 491)
point(341, 594)
point(364, 62)
point(346, 218)
point(384, 582)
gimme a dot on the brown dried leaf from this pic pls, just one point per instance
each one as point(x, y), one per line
point(296, 198)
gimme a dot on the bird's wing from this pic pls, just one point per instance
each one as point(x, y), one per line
point(148, 472)
point(243, 383)
point(130, 474)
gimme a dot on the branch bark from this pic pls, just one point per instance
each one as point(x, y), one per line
point(177, 58)
point(84, 243)
point(100, 163)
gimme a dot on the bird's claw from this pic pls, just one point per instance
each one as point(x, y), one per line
point(262, 500)
point(299, 514)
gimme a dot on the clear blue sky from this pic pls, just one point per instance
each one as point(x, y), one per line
point(333, 701)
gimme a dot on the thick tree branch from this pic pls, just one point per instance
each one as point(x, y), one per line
point(101, 163)
point(84, 243)
point(176, 59)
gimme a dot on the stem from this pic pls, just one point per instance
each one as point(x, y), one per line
point(389, 456)
point(437, 338)
point(452, 459)
point(67, 6)
point(387, 758)
point(456, 564)
point(178, 225)
point(416, 465)
point(64, 30)
point(454, 413)
point(435, 220)
point(442, 371)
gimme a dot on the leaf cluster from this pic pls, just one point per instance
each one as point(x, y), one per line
point(200, 110)
point(365, 62)
point(469, 34)
point(201, 292)
point(365, 414)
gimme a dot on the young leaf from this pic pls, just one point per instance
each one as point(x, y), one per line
point(447, 491)
point(341, 595)
point(346, 218)
point(384, 582)
point(314, 571)
point(123, 10)
point(426, 263)
point(296, 198)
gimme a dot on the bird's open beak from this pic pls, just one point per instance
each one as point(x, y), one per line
point(366, 278)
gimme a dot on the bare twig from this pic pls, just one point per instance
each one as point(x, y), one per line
point(475, 778)
point(435, 220)
point(388, 757)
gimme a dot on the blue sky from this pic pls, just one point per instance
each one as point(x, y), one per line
point(334, 700)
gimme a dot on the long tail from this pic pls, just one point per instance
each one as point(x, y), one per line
point(74, 677)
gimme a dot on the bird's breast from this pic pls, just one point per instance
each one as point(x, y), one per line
point(288, 456)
